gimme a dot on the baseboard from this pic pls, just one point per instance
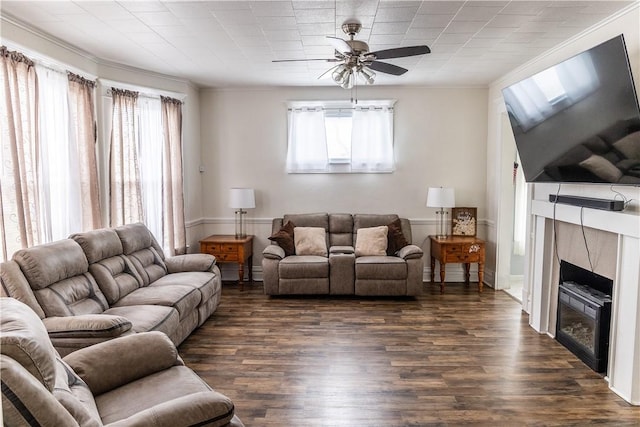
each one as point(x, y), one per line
point(453, 273)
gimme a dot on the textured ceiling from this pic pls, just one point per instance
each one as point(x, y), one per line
point(232, 43)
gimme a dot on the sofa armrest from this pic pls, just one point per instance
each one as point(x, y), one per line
point(114, 363)
point(341, 250)
point(410, 252)
point(190, 262)
point(273, 252)
point(205, 407)
point(87, 326)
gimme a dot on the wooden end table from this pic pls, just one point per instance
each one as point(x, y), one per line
point(458, 249)
point(229, 249)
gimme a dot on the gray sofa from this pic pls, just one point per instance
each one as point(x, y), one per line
point(342, 271)
point(137, 380)
point(110, 282)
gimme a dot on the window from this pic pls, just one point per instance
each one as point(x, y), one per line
point(330, 137)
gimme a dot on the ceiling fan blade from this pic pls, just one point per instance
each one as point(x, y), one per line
point(313, 59)
point(383, 67)
point(400, 52)
point(339, 44)
point(327, 73)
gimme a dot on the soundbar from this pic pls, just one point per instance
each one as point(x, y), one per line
point(588, 202)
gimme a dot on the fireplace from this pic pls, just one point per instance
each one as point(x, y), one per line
point(584, 314)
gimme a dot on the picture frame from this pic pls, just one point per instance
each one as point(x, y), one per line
point(464, 221)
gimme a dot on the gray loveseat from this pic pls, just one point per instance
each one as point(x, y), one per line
point(110, 282)
point(342, 271)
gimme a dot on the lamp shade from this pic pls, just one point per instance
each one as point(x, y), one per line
point(440, 197)
point(240, 198)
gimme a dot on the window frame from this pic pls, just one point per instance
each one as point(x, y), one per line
point(341, 109)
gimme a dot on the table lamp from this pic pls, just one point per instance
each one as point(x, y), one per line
point(440, 197)
point(240, 199)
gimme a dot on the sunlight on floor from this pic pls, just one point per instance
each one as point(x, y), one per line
point(515, 289)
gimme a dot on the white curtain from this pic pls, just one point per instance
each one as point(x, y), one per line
point(61, 211)
point(307, 141)
point(150, 157)
point(372, 140)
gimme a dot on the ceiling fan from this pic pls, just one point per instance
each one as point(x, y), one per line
point(355, 59)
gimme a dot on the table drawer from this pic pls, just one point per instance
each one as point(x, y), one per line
point(227, 257)
point(227, 248)
point(463, 257)
point(211, 248)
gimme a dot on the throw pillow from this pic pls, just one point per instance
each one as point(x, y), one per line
point(395, 238)
point(310, 241)
point(371, 241)
point(284, 238)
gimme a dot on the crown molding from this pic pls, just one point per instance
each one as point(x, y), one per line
point(100, 62)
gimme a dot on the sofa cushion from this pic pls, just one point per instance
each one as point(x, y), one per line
point(58, 274)
point(99, 244)
point(381, 268)
point(310, 241)
point(45, 264)
point(185, 299)
point(203, 281)
point(284, 238)
point(371, 241)
point(341, 230)
point(159, 390)
point(145, 318)
point(116, 277)
point(25, 339)
point(70, 297)
point(395, 237)
point(302, 267)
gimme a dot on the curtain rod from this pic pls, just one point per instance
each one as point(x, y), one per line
point(337, 108)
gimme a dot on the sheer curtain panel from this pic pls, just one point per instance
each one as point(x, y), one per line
point(125, 197)
point(59, 186)
point(150, 157)
point(82, 116)
point(172, 188)
point(307, 147)
point(19, 208)
point(372, 140)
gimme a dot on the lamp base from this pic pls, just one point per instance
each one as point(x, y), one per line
point(240, 234)
point(442, 230)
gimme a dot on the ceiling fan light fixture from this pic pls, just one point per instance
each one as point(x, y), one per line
point(367, 75)
point(349, 80)
point(341, 74)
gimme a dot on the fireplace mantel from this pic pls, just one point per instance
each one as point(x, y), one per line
point(623, 373)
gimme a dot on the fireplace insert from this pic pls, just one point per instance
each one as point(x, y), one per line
point(584, 315)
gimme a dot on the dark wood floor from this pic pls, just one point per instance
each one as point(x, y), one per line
point(454, 359)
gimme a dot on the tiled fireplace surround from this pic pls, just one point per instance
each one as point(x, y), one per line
point(613, 239)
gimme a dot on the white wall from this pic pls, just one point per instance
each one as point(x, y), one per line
point(627, 23)
point(440, 139)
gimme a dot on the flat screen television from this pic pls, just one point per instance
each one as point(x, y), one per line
point(579, 121)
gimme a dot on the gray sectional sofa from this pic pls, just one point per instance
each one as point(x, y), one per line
point(342, 270)
point(136, 380)
point(111, 282)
